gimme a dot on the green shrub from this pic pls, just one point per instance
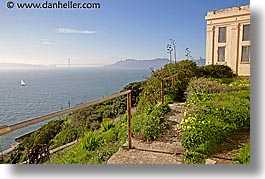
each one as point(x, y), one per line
point(224, 80)
point(110, 135)
point(217, 116)
point(66, 135)
point(105, 145)
point(217, 71)
point(136, 88)
point(193, 158)
point(106, 125)
point(169, 98)
point(91, 141)
point(204, 85)
point(184, 71)
point(244, 155)
point(148, 125)
point(243, 84)
point(43, 135)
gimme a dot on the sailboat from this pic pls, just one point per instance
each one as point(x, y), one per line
point(22, 83)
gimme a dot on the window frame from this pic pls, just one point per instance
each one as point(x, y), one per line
point(220, 40)
point(248, 54)
point(245, 37)
point(218, 54)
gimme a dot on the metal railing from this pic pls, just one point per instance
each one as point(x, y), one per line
point(163, 85)
point(6, 129)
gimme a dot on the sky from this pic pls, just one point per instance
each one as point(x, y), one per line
point(119, 29)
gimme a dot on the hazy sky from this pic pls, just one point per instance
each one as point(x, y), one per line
point(137, 29)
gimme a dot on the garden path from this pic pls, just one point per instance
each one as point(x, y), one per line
point(166, 150)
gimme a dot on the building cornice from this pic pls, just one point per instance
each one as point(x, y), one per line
point(228, 13)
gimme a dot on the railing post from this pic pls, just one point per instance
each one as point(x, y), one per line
point(129, 120)
point(162, 91)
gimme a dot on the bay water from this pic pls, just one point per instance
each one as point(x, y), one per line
point(51, 89)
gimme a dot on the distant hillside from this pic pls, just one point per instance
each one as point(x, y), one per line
point(18, 65)
point(131, 63)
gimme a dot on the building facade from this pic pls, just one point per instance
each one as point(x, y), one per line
point(228, 38)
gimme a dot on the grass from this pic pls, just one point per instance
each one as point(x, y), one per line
point(243, 157)
point(211, 119)
point(96, 147)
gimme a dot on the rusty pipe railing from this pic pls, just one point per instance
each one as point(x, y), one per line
point(163, 85)
point(6, 129)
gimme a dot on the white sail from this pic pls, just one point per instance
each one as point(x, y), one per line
point(22, 83)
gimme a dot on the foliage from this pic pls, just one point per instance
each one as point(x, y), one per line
point(184, 71)
point(66, 135)
point(90, 141)
point(224, 80)
point(43, 135)
point(204, 85)
point(244, 155)
point(105, 136)
point(106, 125)
point(107, 142)
point(243, 84)
point(148, 125)
point(169, 98)
point(136, 88)
point(217, 71)
point(193, 158)
point(217, 117)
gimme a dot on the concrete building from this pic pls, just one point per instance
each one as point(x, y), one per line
point(228, 38)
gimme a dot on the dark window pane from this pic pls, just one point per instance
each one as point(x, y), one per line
point(246, 32)
point(245, 54)
point(221, 54)
point(222, 34)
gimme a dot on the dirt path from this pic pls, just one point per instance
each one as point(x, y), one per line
point(166, 150)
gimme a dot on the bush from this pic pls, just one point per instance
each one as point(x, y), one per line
point(106, 125)
point(193, 158)
point(169, 98)
point(66, 135)
point(217, 117)
point(43, 135)
point(90, 141)
point(244, 155)
point(217, 71)
point(184, 71)
point(204, 85)
point(104, 145)
point(110, 135)
point(243, 84)
point(136, 88)
point(148, 125)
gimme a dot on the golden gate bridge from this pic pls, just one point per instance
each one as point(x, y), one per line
point(69, 64)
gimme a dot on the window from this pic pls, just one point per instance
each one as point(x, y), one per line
point(245, 57)
point(221, 54)
point(246, 32)
point(222, 34)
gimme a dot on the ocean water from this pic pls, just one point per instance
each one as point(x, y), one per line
point(51, 89)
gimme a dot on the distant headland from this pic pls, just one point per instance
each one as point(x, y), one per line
point(155, 63)
point(132, 63)
point(19, 65)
